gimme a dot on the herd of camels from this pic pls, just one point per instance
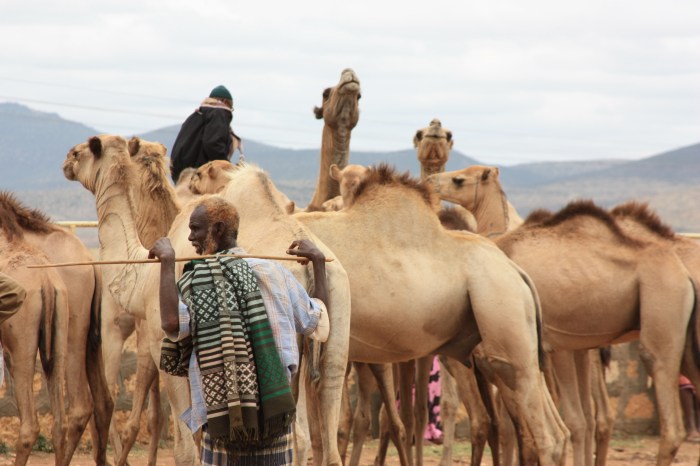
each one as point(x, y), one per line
point(515, 309)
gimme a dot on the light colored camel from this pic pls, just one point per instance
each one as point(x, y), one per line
point(340, 112)
point(478, 188)
point(85, 379)
point(402, 240)
point(41, 324)
point(103, 166)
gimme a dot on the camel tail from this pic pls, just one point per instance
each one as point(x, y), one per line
point(541, 356)
point(694, 323)
point(95, 331)
point(47, 331)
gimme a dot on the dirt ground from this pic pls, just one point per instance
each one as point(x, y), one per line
point(638, 451)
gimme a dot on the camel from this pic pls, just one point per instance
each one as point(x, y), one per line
point(340, 112)
point(86, 386)
point(376, 339)
point(478, 188)
point(627, 289)
point(433, 145)
point(41, 324)
point(103, 166)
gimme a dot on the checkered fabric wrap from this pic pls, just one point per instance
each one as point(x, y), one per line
point(246, 392)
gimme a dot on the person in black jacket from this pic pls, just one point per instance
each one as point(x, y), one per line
point(206, 135)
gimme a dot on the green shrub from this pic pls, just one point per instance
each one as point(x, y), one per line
point(43, 444)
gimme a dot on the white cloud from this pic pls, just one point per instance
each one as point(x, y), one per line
point(515, 81)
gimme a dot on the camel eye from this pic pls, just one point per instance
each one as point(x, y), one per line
point(75, 154)
point(326, 93)
point(457, 180)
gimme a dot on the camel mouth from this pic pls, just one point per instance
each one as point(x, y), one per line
point(352, 86)
point(68, 172)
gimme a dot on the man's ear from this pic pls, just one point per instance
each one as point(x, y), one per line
point(217, 231)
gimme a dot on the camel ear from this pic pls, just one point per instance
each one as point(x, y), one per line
point(318, 112)
point(418, 137)
point(211, 171)
point(290, 207)
point(335, 172)
point(496, 172)
point(95, 145)
point(448, 135)
point(485, 174)
point(134, 145)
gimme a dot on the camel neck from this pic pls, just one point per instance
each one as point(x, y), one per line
point(490, 210)
point(335, 149)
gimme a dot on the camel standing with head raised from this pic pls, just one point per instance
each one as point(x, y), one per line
point(340, 113)
point(86, 386)
point(103, 166)
point(41, 324)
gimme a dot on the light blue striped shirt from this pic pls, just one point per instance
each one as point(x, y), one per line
point(290, 310)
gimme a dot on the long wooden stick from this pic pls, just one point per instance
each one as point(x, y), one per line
point(178, 259)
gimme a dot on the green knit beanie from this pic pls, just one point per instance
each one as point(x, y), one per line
point(220, 92)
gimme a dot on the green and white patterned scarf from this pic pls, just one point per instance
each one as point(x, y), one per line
point(246, 392)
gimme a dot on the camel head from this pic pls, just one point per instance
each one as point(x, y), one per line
point(463, 187)
point(433, 144)
point(212, 177)
point(349, 178)
point(88, 160)
point(333, 205)
point(340, 109)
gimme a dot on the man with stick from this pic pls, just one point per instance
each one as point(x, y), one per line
point(231, 327)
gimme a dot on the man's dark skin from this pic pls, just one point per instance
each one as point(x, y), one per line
point(219, 241)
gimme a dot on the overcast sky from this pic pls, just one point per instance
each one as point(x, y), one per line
point(516, 81)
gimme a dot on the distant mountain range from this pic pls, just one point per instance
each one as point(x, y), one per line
point(33, 145)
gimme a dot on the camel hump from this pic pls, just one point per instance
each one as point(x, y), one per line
point(641, 213)
point(387, 175)
point(15, 218)
point(587, 208)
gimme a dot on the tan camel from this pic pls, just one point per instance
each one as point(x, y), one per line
point(479, 188)
point(340, 113)
point(41, 324)
point(433, 144)
point(182, 187)
point(397, 225)
point(597, 285)
point(103, 166)
point(85, 379)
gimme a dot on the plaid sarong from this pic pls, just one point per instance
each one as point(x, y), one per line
point(246, 392)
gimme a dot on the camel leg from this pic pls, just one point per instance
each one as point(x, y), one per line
point(420, 405)
point(146, 377)
point(571, 399)
point(383, 375)
point(116, 327)
point(384, 436)
point(55, 376)
point(178, 391)
point(301, 424)
point(346, 418)
point(79, 406)
point(362, 418)
point(605, 415)
point(21, 363)
point(156, 420)
point(407, 377)
point(448, 412)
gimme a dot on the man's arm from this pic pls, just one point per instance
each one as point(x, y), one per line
point(308, 250)
point(169, 314)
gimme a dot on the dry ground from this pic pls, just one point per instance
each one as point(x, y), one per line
point(638, 451)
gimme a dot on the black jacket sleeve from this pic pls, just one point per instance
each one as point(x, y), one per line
point(216, 138)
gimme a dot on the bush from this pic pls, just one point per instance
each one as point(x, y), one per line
point(43, 444)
